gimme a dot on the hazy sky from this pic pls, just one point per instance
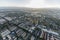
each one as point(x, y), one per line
point(30, 3)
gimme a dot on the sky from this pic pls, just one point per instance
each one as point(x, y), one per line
point(30, 3)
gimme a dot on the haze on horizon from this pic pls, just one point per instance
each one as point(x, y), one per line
point(30, 3)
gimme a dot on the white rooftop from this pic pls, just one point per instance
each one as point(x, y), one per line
point(6, 32)
point(49, 31)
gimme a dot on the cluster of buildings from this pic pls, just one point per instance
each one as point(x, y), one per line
point(26, 28)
